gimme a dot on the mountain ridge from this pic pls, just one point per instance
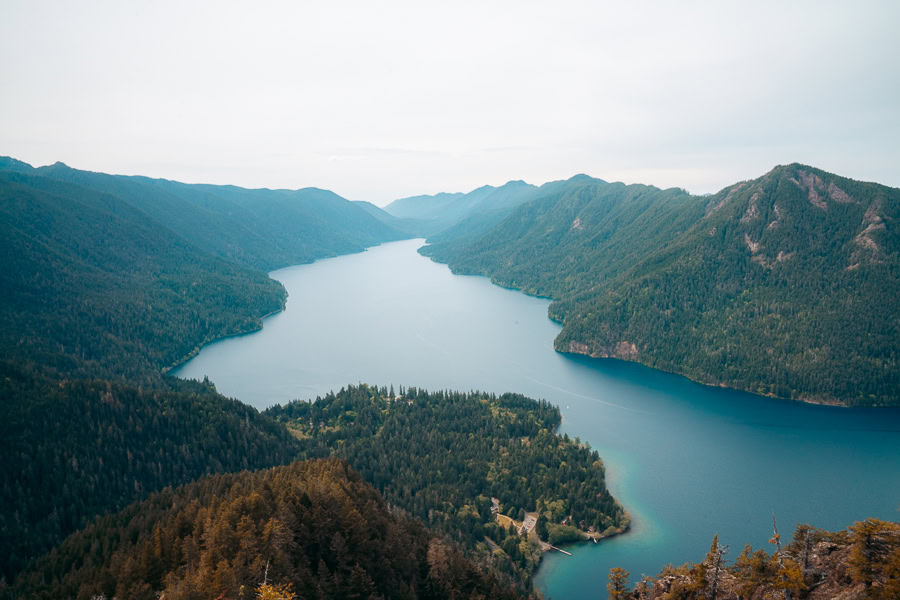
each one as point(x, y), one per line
point(260, 228)
point(657, 276)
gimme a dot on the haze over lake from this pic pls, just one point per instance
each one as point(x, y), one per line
point(686, 460)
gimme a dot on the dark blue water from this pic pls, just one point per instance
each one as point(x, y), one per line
point(686, 460)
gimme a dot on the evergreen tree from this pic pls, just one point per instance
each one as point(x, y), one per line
point(618, 583)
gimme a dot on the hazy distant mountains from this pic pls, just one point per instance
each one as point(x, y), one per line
point(785, 285)
point(429, 215)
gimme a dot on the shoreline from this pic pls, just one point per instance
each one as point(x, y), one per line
point(815, 401)
point(180, 362)
point(810, 401)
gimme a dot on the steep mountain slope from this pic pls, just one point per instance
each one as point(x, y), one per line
point(549, 246)
point(263, 229)
point(786, 285)
point(315, 526)
point(73, 450)
point(93, 286)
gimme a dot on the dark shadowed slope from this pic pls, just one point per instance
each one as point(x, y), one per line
point(76, 449)
point(315, 526)
point(118, 281)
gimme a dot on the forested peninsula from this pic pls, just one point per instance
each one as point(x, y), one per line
point(467, 464)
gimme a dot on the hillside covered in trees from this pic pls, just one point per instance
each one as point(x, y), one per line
point(102, 293)
point(107, 281)
point(121, 276)
point(94, 287)
point(308, 530)
point(77, 449)
point(259, 228)
point(859, 563)
point(786, 285)
point(443, 456)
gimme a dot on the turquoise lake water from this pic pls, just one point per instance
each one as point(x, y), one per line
point(686, 460)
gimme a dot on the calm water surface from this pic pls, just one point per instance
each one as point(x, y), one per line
point(686, 460)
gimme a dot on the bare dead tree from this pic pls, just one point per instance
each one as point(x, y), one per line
point(776, 539)
point(720, 552)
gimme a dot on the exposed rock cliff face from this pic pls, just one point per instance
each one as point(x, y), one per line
point(623, 350)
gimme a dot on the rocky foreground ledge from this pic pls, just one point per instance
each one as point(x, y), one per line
point(858, 563)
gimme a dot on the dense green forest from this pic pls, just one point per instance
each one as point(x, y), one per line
point(102, 293)
point(75, 449)
point(115, 276)
point(314, 528)
point(862, 562)
point(442, 456)
point(106, 282)
point(94, 287)
point(786, 285)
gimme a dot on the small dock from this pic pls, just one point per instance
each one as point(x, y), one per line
point(560, 550)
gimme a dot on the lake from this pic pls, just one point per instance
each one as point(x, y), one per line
point(686, 460)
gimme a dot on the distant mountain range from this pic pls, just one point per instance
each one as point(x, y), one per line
point(786, 285)
point(430, 215)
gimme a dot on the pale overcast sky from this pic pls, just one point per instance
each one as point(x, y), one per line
point(379, 100)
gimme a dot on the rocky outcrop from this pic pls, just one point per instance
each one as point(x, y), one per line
point(856, 564)
point(813, 185)
point(623, 350)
